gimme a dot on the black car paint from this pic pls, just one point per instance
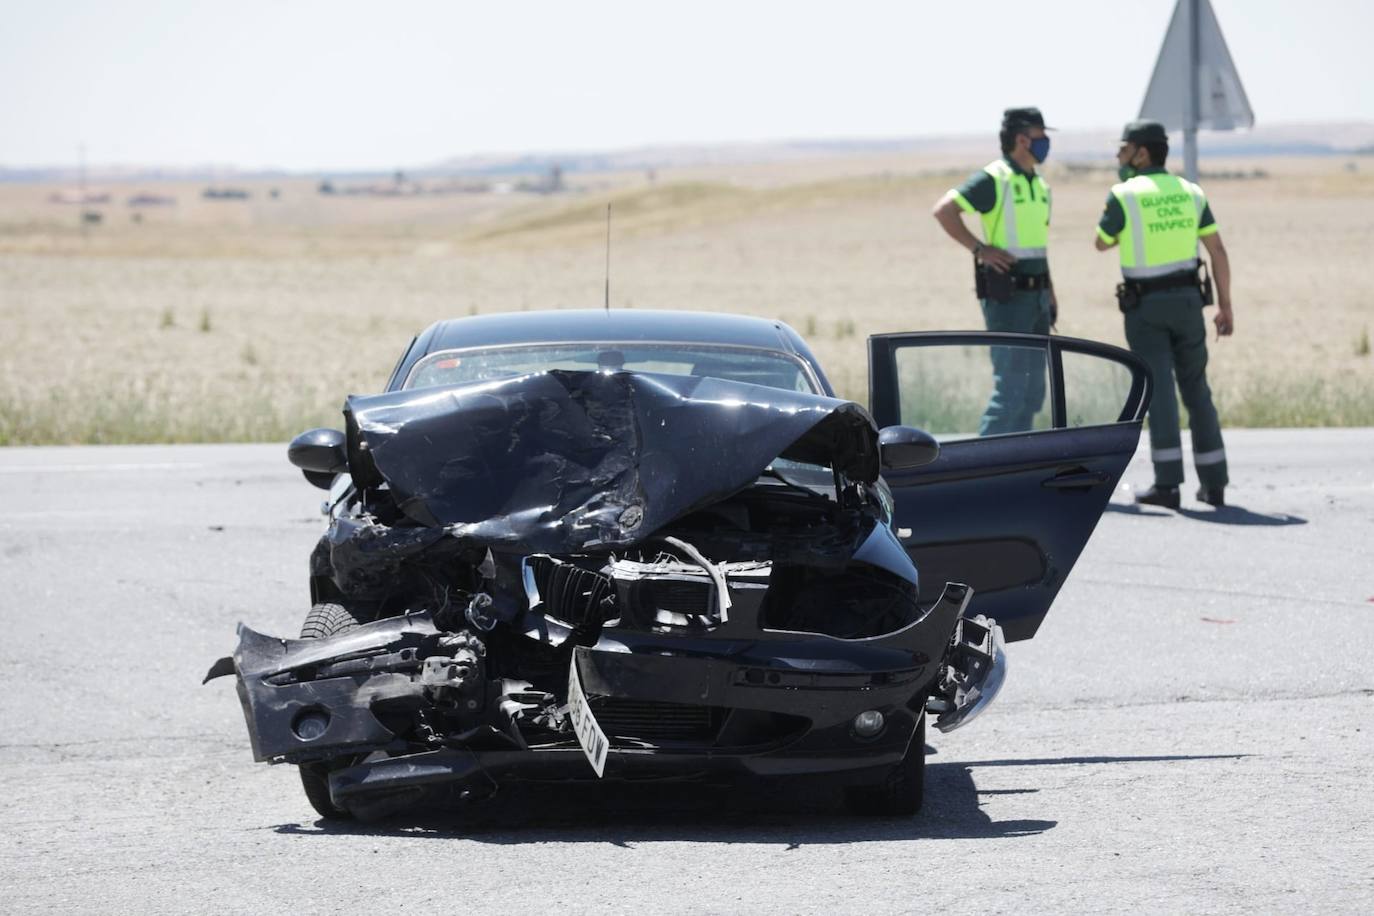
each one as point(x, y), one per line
point(560, 462)
point(741, 665)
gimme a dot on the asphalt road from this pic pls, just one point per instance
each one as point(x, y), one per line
point(1192, 729)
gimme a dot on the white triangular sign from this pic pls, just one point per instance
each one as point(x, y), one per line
point(1221, 103)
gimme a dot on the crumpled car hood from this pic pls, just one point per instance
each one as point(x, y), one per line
point(563, 461)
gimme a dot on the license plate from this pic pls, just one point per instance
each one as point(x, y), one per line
point(589, 733)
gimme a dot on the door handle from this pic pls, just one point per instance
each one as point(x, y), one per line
point(1076, 480)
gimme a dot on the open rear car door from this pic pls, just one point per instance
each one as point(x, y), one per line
point(1034, 434)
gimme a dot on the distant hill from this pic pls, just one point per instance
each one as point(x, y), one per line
point(1316, 139)
point(1334, 139)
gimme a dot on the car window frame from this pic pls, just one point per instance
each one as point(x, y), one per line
point(884, 390)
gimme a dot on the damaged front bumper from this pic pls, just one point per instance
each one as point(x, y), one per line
point(975, 670)
point(752, 702)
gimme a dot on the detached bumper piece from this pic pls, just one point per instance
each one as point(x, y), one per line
point(976, 668)
point(368, 703)
point(312, 699)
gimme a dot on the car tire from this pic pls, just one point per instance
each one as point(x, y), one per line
point(903, 791)
point(326, 619)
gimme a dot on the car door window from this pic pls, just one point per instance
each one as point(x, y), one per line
point(972, 390)
point(1095, 389)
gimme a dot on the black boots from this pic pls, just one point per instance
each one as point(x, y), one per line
point(1212, 496)
point(1159, 496)
point(1168, 496)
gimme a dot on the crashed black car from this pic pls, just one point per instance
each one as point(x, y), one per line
point(655, 545)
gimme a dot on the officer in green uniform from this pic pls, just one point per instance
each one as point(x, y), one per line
point(1011, 267)
point(1156, 220)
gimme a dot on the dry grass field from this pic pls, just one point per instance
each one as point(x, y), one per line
point(250, 320)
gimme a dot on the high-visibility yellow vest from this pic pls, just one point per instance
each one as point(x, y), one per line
point(1162, 215)
point(1020, 219)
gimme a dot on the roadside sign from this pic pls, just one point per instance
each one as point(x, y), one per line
point(1195, 83)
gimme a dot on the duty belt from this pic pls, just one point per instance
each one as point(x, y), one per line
point(1031, 281)
point(1178, 280)
point(1129, 292)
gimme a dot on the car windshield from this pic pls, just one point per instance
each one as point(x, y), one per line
point(737, 364)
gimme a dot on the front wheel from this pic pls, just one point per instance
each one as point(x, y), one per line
point(903, 791)
point(326, 619)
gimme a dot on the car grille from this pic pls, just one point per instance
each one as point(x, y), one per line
point(570, 593)
point(652, 720)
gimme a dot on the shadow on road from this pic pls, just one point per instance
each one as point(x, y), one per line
point(1222, 515)
point(1068, 761)
point(629, 814)
point(1236, 515)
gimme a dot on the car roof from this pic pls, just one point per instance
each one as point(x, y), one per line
point(618, 325)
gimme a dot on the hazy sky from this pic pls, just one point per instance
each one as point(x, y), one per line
point(307, 84)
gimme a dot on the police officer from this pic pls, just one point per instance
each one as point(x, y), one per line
point(1011, 269)
point(1157, 220)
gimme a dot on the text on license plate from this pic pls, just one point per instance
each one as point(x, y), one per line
point(589, 733)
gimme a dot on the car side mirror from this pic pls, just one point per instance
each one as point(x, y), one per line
point(320, 454)
point(905, 447)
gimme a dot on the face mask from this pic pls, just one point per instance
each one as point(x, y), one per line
point(1040, 148)
point(1125, 173)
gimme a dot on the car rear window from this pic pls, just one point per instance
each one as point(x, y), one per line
point(736, 364)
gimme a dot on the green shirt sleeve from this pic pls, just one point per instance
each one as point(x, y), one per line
point(978, 194)
point(1207, 224)
point(1113, 220)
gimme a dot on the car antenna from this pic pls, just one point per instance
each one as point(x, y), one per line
point(608, 257)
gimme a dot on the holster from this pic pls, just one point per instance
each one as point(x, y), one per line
point(1204, 283)
point(992, 285)
point(1127, 296)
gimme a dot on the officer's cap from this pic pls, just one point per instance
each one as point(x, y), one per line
point(1142, 132)
point(1017, 118)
